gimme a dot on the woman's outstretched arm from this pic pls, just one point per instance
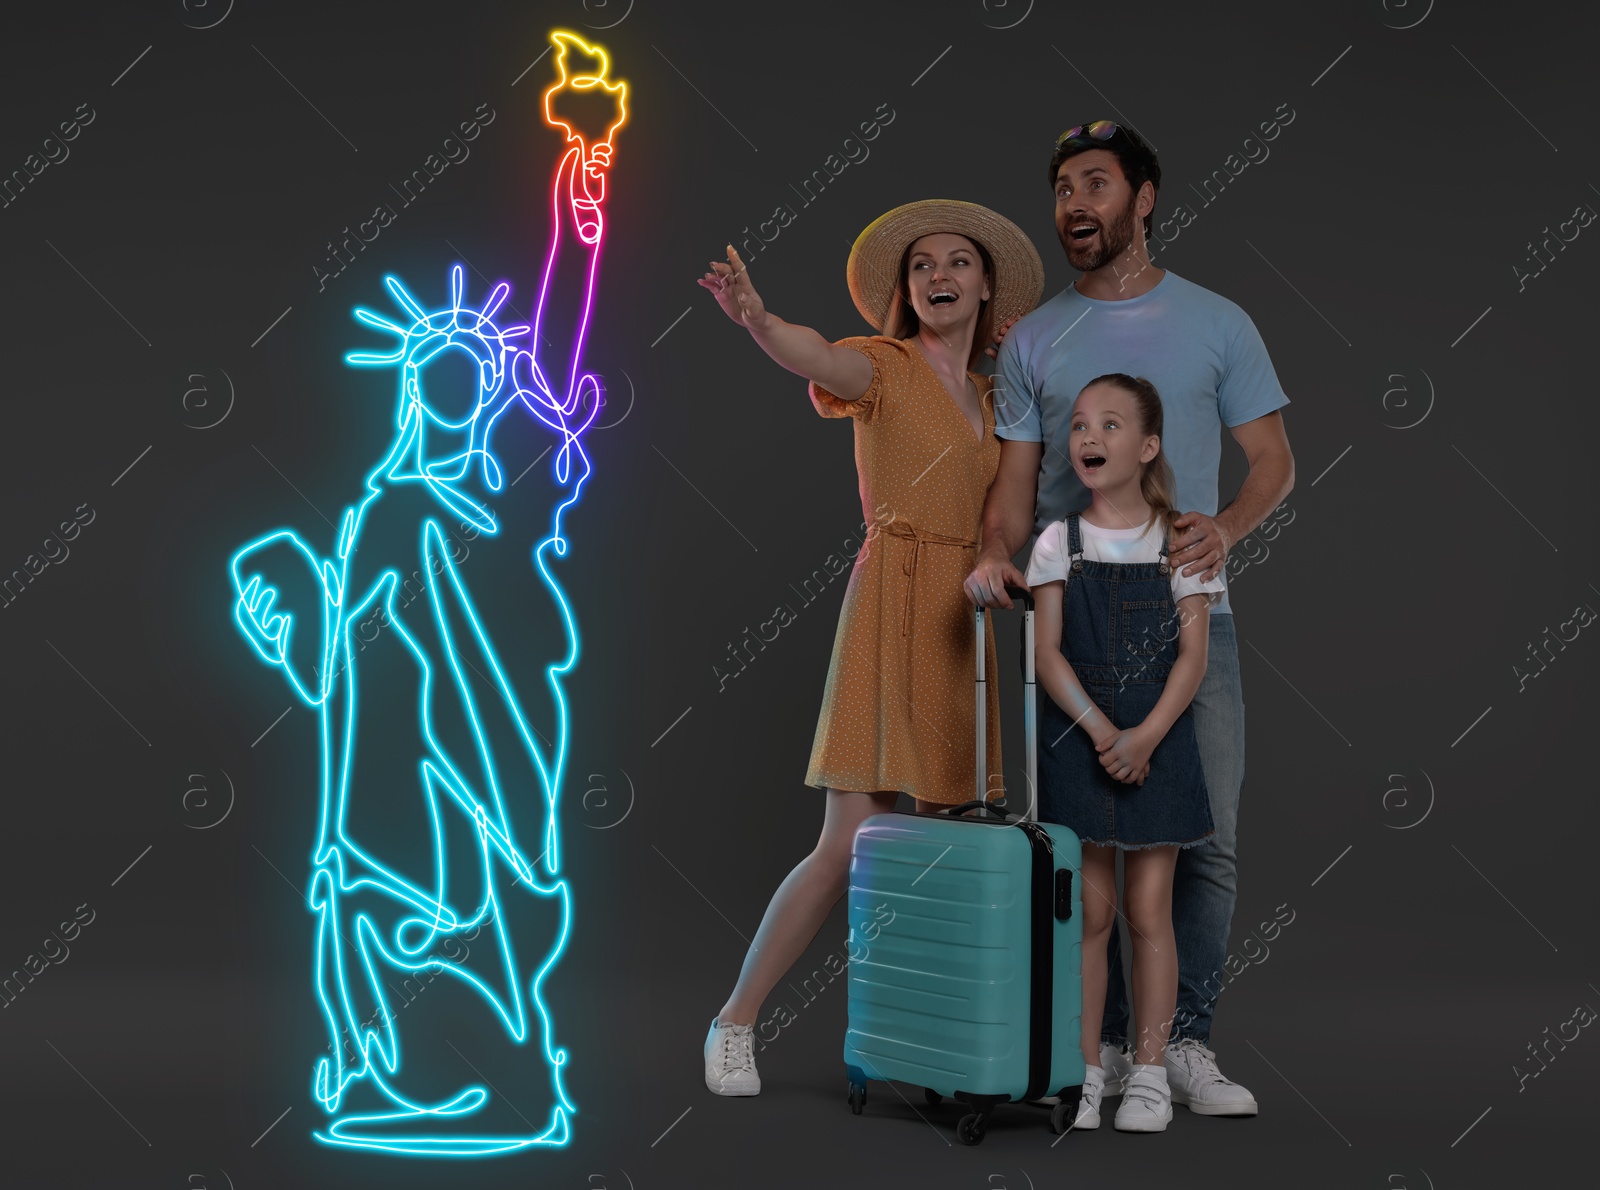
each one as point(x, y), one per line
point(843, 372)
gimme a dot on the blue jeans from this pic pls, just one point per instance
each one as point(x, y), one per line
point(1206, 882)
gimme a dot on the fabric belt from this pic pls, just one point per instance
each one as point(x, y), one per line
point(919, 537)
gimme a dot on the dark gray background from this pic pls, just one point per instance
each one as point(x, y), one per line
point(1428, 823)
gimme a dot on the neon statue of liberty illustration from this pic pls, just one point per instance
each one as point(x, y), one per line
point(437, 853)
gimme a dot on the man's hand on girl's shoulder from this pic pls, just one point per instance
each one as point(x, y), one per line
point(1192, 549)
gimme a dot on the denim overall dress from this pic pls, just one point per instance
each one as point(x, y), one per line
point(1120, 635)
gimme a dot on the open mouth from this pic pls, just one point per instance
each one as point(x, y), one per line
point(1092, 462)
point(941, 299)
point(1082, 231)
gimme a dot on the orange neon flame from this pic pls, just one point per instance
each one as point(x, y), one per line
point(585, 81)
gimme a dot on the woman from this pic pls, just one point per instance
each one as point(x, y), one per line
point(897, 715)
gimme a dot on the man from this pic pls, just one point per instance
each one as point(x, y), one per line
point(1207, 360)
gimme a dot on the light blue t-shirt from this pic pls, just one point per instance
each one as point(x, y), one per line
point(1201, 351)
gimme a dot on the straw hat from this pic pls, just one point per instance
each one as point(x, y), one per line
point(873, 270)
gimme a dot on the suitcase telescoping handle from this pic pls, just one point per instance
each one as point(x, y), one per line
point(1029, 711)
point(995, 809)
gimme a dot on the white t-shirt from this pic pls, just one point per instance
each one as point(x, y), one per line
point(1051, 559)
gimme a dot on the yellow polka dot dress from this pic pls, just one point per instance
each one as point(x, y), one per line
point(898, 710)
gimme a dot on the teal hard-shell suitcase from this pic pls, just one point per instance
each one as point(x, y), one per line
point(965, 949)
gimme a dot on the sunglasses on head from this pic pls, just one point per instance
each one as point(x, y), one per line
point(1100, 130)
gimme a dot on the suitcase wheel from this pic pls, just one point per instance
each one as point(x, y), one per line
point(1064, 1113)
point(971, 1129)
point(857, 1098)
point(933, 1097)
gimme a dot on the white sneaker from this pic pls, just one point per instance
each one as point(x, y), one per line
point(1198, 1084)
point(731, 1060)
point(1089, 1106)
point(1117, 1063)
point(1146, 1103)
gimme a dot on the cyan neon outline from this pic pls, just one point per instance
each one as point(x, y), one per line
point(506, 374)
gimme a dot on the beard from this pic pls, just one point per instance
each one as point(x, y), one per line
point(1113, 242)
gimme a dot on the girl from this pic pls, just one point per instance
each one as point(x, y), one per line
point(897, 714)
point(1121, 649)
